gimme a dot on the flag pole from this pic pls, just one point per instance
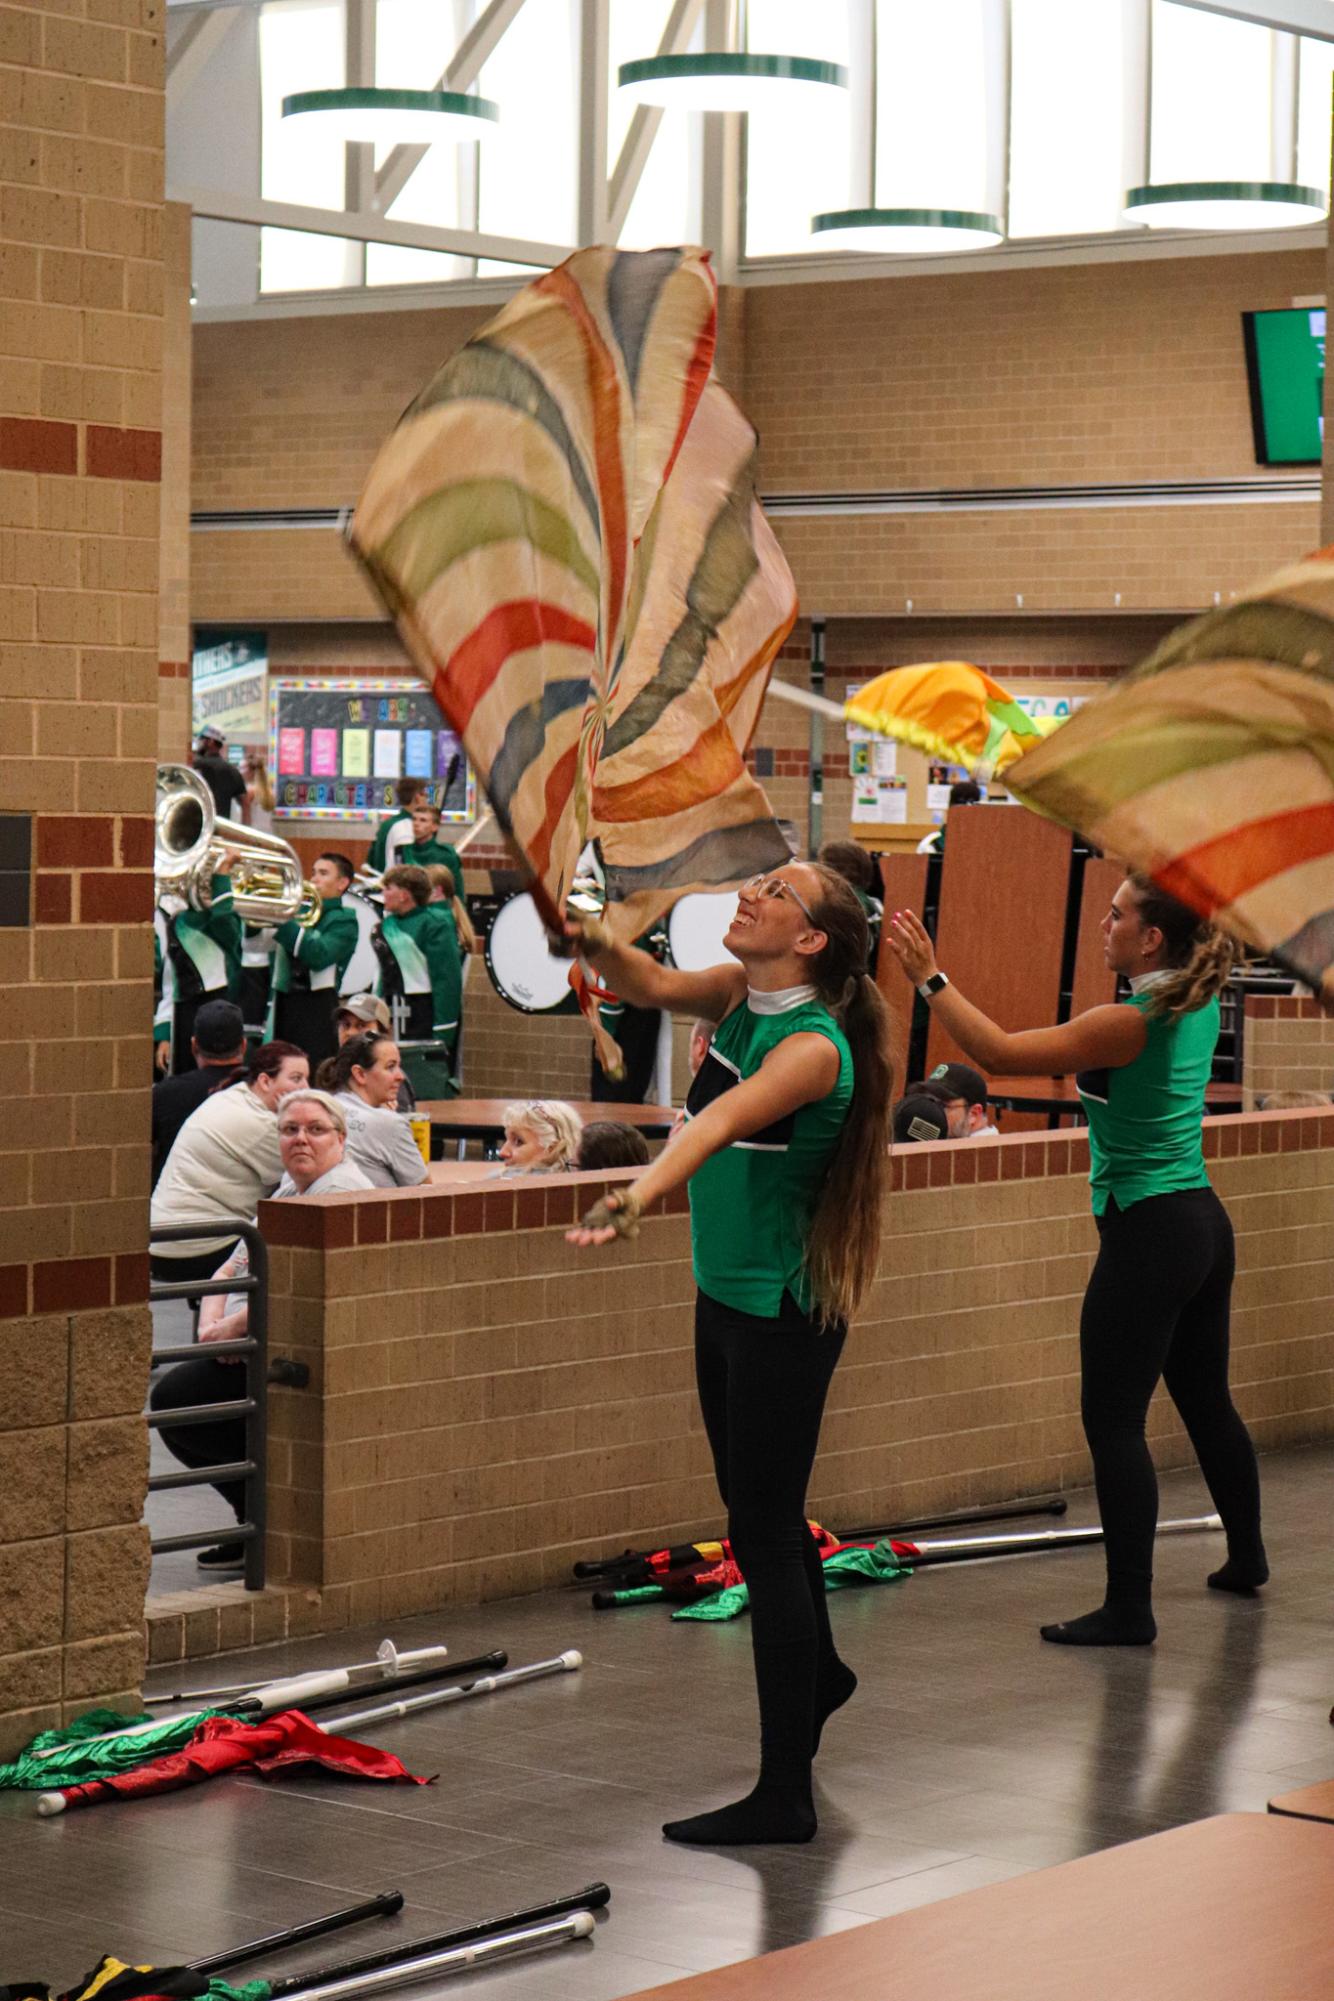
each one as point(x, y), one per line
point(386, 1905)
point(461, 1959)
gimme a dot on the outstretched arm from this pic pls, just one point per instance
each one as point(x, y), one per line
point(637, 977)
point(1104, 1038)
point(801, 1069)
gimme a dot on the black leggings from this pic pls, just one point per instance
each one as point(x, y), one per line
point(762, 1387)
point(211, 1379)
point(1157, 1306)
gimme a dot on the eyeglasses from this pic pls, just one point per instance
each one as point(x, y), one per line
point(310, 1132)
point(773, 886)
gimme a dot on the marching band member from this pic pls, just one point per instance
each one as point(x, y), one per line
point(199, 952)
point(394, 833)
point(308, 964)
point(419, 958)
point(426, 845)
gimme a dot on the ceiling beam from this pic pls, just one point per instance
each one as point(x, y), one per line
point(464, 68)
point(643, 128)
point(1291, 17)
point(216, 206)
point(194, 41)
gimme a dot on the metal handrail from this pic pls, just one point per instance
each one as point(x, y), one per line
point(253, 1349)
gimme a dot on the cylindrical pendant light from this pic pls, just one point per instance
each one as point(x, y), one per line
point(1225, 205)
point(718, 81)
point(396, 117)
point(907, 231)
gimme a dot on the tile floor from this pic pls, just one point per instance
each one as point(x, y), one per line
point(971, 1753)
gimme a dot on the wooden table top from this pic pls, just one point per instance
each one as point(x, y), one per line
point(1308, 1802)
point(1038, 1093)
point(468, 1117)
point(1235, 1908)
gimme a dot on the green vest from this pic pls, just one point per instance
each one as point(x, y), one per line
point(420, 854)
point(752, 1203)
point(1145, 1136)
point(425, 950)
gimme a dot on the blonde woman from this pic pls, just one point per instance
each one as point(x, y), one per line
point(541, 1137)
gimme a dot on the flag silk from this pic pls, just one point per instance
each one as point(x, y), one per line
point(565, 529)
point(225, 1743)
point(1211, 768)
point(113, 1980)
point(949, 709)
point(97, 1745)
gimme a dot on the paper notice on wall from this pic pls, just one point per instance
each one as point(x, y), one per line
point(881, 802)
point(291, 750)
point(324, 753)
point(420, 744)
point(388, 753)
point(356, 753)
point(937, 798)
point(884, 758)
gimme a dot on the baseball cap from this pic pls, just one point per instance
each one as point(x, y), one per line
point(210, 734)
point(219, 1028)
point(961, 1081)
point(921, 1118)
point(367, 1008)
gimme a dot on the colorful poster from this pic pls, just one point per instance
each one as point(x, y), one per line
point(291, 750)
point(388, 753)
point(356, 753)
point(324, 753)
point(418, 744)
point(880, 801)
point(229, 684)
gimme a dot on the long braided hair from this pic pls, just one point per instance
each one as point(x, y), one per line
point(844, 1246)
point(1200, 956)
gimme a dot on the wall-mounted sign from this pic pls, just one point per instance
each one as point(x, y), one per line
point(228, 684)
point(338, 746)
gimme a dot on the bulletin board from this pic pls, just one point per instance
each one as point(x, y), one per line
point(338, 747)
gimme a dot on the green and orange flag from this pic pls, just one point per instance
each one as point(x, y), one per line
point(565, 529)
point(1211, 767)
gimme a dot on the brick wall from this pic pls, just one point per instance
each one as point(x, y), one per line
point(81, 174)
point(1288, 1046)
point(488, 1404)
point(174, 563)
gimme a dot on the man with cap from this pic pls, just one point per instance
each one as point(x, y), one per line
point(222, 778)
point(356, 1013)
point(218, 1044)
point(920, 1115)
point(963, 1093)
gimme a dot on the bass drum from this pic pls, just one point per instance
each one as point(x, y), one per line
point(523, 968)
point(696, 926)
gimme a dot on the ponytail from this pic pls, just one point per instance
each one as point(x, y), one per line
point(844, 1248)
point(1200, 956)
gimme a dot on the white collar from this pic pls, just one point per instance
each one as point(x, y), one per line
point(1141, 982)
point(780, 1001)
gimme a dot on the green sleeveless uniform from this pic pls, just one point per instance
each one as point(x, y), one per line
point(1144, 1118)
point(752, 1203)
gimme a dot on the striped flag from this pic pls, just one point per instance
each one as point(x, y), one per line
point(565, 529)
point(1211, 767)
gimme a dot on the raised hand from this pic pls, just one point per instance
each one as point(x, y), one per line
point(911, 945)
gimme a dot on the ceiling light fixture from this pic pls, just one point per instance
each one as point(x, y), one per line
point(396, 117)
point(908, 231)
point(1225, 205)
point(730, 82)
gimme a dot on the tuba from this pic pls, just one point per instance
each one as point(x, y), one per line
point(266, 881)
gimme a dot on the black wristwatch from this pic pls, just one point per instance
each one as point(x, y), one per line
point(935, 985)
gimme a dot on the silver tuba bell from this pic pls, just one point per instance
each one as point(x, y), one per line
point(187, 847)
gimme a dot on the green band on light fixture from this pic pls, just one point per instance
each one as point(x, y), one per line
point(797, 69)
point(1155, 195)
point(1223, 205)
point(921, 229)
point(419, 113)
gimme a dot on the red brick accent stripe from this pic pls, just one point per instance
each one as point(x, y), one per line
point(173, 670)
point(86, 841)
point(69, 1284)
point(33, 444)
point(116, 454)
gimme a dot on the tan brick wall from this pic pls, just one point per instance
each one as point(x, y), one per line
point(81, 173)
point(174, 564)
point(1288, 1046)
point(488, 1404)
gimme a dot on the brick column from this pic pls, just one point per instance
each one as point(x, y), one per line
point(81, 175)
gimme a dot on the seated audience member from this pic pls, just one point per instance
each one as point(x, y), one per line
point(701, 1035)
point(850, 860)
point(610, 1143)
point(963, 792)
point(225, 1160)
point(964, 1095)
point(920, 1116)
point(541, 1137)
point(218, 1046)
point(355, 1014)
point(1285, 1101)
point(364, 1078)
point(311, 1137)
point(418, 950)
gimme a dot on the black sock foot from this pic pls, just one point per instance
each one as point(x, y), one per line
point(765, 1815)
point(1109, 1626)
point(832, 1691)
point(1241, 1573)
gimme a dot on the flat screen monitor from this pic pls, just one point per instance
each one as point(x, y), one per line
point(1285, 360)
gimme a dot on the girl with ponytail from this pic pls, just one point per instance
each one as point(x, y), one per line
point(1157, 1303)
point(785, 1152)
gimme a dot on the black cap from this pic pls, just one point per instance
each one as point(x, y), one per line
point(919, 1117)
point(219, 1028)
point(961, 1081)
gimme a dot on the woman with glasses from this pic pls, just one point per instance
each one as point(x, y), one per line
point(785, 1154)
point(312, 1133)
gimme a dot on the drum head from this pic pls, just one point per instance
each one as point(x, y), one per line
point(524, 970)
point(696, 925)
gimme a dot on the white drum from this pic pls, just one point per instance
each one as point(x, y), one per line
point(524, 970)
point(696, 926)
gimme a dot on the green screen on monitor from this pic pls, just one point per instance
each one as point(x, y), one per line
point(1285, 358)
